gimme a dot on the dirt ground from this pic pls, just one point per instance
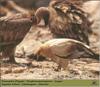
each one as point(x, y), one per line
point(46, 69)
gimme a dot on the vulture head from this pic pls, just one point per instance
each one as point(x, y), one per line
point(53, 8)
point(66, 20)
point(42, 13)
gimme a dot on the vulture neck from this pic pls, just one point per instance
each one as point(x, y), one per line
point(53, 11)
point(42, 13)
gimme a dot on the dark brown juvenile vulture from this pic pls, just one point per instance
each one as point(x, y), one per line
point(62, 50)
point(12, 31)
point(65, 20)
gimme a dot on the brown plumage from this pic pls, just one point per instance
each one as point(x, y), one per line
point(62, 50)
point(12, 31)
point(65, 20)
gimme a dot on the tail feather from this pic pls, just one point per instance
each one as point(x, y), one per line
point(96, 56)
point(88, 53)
point(92, 56)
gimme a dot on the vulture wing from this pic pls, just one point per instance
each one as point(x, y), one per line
point(68, 48)
point(70, 22)
point(13, 29)
point(63, 47)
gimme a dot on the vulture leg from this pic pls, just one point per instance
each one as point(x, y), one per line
point(9, 53)
point(62, 62)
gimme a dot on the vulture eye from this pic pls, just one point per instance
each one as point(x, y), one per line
point(33, 18)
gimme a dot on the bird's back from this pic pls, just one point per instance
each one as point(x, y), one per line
point(14, 28)
point(70, 21)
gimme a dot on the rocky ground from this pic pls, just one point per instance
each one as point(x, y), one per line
point(46, 69)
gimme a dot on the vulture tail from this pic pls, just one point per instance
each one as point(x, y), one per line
point(96, 56)
point(87, 52)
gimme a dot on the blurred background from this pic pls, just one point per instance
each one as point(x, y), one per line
point(31, 3)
